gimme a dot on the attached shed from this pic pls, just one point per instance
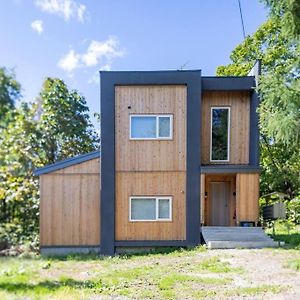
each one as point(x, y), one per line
point(70, 205)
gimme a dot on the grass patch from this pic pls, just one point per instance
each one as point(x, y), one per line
point(254, 291)
point(293, 264)
point(175, 284)
point(291, 237)
point(215, 265)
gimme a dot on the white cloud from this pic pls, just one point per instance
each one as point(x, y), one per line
point(98, 53)
point(37, 25)
point(65, 8)
point(70, 61)
point(80, 12)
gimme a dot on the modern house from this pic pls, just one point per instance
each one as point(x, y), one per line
point(179, 152)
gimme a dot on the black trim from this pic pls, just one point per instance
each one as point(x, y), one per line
point(192, 79)
point(228, 83)
point(107, 206)
point(67, 163)
point(152, 243)
point(219, 169)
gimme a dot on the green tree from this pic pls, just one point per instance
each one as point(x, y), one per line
point(277, 46)
point(55, 127)
point(10, 92)
point(64, 123)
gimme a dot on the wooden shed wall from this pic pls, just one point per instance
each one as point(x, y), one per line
point(70, 206)
point(150, 167)
point(247, 195)
point(239, 103)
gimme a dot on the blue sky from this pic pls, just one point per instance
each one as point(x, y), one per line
point(73, 39)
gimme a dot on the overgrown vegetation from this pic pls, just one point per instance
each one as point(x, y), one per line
point(179, 274)
point(276, 44)
point(55, 126)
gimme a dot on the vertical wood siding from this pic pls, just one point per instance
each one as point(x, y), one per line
point(247, 194)
point(149, 184)
point(239, 103)
point(70, 205)
point(136, 155)
point(151, 167)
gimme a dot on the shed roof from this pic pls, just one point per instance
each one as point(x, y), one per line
point(67, 163)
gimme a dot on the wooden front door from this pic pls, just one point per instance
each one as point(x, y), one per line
point(219, 206)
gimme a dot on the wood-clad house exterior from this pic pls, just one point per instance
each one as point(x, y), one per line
point(158, 189)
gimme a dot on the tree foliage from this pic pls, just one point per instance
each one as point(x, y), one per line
point(54, 127)
point(276, 44)
point(10, 92)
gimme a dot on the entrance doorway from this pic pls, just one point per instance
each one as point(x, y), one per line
point(218, 200)
point(219, 212)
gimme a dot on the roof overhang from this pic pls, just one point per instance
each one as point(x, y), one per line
point(67, 163)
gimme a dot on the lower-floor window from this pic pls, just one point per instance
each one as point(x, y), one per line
point(142, 208)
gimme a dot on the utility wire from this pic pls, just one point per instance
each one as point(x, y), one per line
point(242, 20)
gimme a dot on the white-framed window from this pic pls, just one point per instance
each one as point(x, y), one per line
point(151, 127)
point(220, 134)
point(148, 208)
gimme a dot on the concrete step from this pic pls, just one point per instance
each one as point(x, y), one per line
point(241, 244)
point(236, 237)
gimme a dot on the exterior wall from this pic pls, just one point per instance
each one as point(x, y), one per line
point(70, 206)
point(141, 155)
point(149, 184)
point(247, 194)
point(150, 167)
point(239, 103)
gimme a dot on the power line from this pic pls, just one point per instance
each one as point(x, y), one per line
point(242, 20)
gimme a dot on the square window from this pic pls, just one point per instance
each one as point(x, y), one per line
point(143, 127)
point(143, 209)
point(151, 127)
point(150, 208)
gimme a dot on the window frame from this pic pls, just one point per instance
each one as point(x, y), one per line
point(157, 198)
point(157, 116)
point(228, 133)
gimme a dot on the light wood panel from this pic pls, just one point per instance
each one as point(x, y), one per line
point(239, 128)
point(232, 201)
point(70, 207)
point(88, 167)
point(149, 155)
point(247, 194)
point(149, 184)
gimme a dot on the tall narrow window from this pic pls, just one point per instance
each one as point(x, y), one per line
point(220, 134)
point(151, 127)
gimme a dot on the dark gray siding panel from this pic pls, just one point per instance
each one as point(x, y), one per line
point(228, 83)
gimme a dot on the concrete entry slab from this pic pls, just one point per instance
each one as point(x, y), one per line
point(217, 237)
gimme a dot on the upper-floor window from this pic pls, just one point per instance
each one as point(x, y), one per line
point(145, 208)
point(151, 127)
point(220, 134)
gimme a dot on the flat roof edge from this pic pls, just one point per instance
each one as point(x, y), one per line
point(67, 163)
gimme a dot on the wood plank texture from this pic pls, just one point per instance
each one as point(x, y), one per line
point(232, 199)
point(149, 184)
point(161, 155)
point(70, 206)
point(240, 124)
point(247, 194)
